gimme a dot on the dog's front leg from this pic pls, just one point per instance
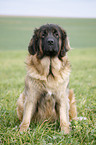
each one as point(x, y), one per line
point(28, 113)
point(64, 114)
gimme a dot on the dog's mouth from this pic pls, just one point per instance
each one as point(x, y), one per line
point(51, 53)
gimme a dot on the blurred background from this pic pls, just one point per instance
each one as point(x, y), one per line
point(19, 18)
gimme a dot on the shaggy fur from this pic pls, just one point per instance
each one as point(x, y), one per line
point(46, 94)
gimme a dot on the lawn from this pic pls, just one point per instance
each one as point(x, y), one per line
point(15, 35)
point(15, 32)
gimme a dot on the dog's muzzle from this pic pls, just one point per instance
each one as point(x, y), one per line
point(51, 47)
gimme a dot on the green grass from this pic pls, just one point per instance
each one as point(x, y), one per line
point(15, 34)
point(82, 80)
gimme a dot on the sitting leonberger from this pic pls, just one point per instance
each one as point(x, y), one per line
point(46, 94)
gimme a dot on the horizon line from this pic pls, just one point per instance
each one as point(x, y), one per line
point(26, 16)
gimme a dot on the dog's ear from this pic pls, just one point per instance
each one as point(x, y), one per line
point(32, 48)
point(65, 46)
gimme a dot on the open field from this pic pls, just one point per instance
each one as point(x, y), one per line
point(15, 32)
point(14, 38)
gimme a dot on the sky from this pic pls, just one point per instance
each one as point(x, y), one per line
point(53, 8)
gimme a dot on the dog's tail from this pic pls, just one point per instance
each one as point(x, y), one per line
point(72, 102)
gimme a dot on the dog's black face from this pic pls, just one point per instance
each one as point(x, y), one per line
point(49, 40)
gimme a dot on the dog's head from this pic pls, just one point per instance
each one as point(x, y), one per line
point(49, 40)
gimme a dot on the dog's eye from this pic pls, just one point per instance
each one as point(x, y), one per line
point(56, 34)
point(44, 34)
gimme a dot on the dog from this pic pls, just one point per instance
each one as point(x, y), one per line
point(46, 94)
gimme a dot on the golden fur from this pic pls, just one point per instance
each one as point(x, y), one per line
point(37, 81)
point(46, 95)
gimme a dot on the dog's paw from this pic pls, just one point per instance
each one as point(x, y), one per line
point(23, 127)
point(81, 118)
point(65, 129)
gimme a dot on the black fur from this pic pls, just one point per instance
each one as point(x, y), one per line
point(49, 40)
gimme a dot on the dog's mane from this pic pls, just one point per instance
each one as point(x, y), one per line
point(39, 69)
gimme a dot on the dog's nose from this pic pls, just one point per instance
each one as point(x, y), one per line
point(50, 41)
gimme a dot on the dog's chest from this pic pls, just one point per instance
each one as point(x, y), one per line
point(46, 106)
point(49, 93)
